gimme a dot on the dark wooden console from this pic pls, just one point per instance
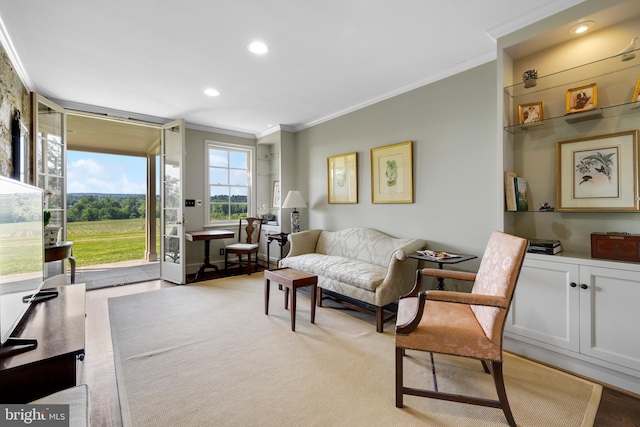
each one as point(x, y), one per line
point(58, 325)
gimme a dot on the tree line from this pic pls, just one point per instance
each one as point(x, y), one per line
point(96, 208)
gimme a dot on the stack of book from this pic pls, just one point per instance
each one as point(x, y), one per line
point(515, 192)
point(542, 246)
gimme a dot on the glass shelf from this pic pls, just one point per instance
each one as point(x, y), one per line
point(563, 120)
point(601, 67)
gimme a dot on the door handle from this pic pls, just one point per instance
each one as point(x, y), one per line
point(583, 286)
point(573, 284)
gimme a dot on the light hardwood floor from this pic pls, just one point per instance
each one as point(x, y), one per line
point(616, 409)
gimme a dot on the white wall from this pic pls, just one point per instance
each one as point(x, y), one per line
point(452, 124)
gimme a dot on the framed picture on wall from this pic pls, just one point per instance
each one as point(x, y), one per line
point(582, 98)
point(530, 113)
point(392, 173)
point(598, 173)
point(342, 178)
point(636, 93)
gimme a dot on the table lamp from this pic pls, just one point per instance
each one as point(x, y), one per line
point(294, 200)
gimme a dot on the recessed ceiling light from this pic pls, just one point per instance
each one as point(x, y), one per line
point(581, 27)
point(212, 92)
point(259, 48)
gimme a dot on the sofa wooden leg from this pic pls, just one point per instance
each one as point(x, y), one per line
point(379, 319)
point(319, 297)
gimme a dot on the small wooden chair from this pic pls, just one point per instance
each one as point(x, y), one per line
point(248, 247)
point(463, 324)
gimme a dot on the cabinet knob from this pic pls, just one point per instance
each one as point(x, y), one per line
point(573, 284)
point(583, 286)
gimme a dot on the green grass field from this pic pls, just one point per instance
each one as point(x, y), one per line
point(104, 242)
point(94, 242)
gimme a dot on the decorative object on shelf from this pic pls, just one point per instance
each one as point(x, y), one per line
point(276, 194)
point(294, 200)
point(582, 98)
point(50, 234)
point(342, 178)
point(530, 113)
point(529, 78)
point(546, 207)
point(636, 93)
point(544, 246)
point(392, 173)
point(616, 245)
point(627, 53)
point(598, 173)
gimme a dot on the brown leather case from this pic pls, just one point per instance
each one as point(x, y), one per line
point(616, 246)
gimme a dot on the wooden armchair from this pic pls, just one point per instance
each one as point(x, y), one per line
point(463, 324)
point(248, 247)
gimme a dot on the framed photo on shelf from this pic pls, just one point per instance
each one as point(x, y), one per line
point(275, 202)
point(392, 173)
point(530, 113)
point(598, 173)
point(582, 98)
point(342, 178)
point(636, 93)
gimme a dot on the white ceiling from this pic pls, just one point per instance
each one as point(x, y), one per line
point(156, 57)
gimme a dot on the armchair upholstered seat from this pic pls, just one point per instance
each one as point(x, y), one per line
point(462, 324)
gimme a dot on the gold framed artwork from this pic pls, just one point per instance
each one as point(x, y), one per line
point(342, 178)
point(530, 113)
point(598, 173)
point(636, 93)
point(275, 202)
point(582, 98)
point(392, 173)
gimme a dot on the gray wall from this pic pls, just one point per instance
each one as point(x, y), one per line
point(452, 124)
point(196, 141)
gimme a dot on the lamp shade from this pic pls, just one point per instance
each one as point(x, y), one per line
point(294, 200)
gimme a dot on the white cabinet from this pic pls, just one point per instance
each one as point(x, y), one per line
point(576, 308)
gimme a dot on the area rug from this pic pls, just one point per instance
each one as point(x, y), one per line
point(207, 354)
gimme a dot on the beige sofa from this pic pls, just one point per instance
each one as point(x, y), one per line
point(362, 264)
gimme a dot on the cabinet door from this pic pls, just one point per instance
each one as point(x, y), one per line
point(610, 316)
point(545, 305)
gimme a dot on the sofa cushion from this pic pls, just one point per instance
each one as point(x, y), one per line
point(351, 271)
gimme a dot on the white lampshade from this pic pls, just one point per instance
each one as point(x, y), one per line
point(294, 200)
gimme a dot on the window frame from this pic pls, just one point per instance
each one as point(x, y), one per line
point(251, 181)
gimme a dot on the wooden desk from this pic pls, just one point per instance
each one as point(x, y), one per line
point(59, 252)
point(441, 262)
point(207, 236)
point(58, 325)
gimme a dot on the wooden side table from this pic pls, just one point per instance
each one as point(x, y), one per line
point(441, 262)
point(281, 238)
point(59, 252)
point(292, 280)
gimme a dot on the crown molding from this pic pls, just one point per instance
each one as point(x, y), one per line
point(7, 44)
point(275, 129)
point(541, 12)
point(458, 68)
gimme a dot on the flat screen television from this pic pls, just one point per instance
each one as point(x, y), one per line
point(21, 258)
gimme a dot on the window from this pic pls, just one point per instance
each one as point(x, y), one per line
point(229, 181)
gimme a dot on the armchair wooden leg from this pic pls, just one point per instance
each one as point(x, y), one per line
point(496, 370)
point(399, 382)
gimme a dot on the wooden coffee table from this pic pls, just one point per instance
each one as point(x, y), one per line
point(291, 280)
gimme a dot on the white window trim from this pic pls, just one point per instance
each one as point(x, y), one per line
point(251, 196)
